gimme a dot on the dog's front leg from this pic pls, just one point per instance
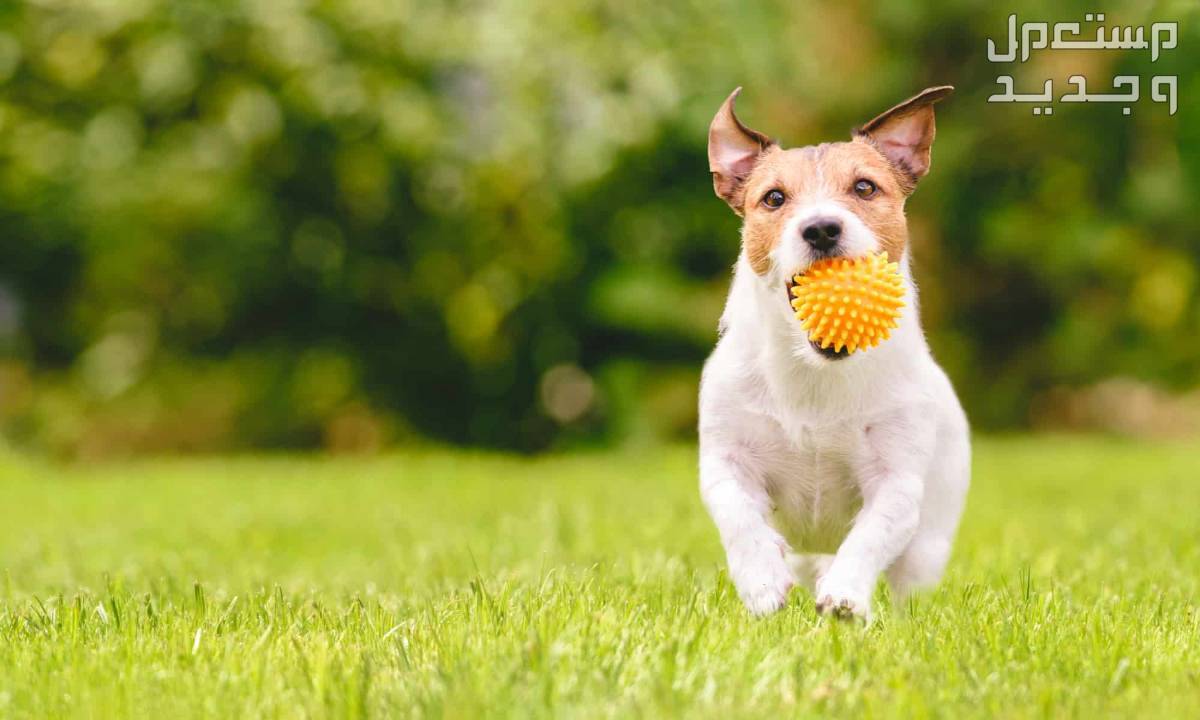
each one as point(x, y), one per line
point(882, 530)
point(734, 494)
point(891, 481)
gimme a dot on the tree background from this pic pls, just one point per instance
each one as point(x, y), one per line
point(234, 224)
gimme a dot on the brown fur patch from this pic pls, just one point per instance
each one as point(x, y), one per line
point(828, 171)
point(762, 227)
point(883, 213)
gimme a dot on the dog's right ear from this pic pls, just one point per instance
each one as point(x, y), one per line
point(733, 150)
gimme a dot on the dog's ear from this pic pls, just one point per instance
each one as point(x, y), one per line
point(733, 150)
point(905, 133)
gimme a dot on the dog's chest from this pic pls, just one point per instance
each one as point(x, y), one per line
point(813, 488)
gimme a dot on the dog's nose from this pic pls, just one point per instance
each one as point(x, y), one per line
point(822, 233)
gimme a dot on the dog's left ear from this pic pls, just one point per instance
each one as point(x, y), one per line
point(905, 133)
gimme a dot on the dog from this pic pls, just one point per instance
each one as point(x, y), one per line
point(823, 467)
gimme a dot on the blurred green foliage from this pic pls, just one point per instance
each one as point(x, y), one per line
point(237, 223)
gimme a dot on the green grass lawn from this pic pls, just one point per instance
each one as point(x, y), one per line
point(462, 585)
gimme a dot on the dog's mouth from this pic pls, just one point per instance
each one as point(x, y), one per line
point(826, 352)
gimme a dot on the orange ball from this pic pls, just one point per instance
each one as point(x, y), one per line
point(849, 303)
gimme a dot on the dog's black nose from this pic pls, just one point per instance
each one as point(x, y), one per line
point(822, 233)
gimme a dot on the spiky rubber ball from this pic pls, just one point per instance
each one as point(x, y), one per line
point(849, 303)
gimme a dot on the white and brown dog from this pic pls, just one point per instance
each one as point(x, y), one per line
point(822, 467)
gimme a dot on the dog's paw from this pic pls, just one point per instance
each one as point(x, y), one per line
point(843, 602)
point(762, 576)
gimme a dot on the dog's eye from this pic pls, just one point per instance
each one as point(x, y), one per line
point(865, 188)
point(773, 199)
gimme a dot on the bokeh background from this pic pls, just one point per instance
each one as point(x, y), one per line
point(347, 224)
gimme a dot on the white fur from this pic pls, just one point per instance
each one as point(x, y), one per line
point(866, 457)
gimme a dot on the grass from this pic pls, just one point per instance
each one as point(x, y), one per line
point(459, 585)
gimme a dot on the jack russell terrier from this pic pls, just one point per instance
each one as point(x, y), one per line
point(822, 467)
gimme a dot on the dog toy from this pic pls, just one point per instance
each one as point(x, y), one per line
point(851, 304)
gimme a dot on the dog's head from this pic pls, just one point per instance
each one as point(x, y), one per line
point(803, 204)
